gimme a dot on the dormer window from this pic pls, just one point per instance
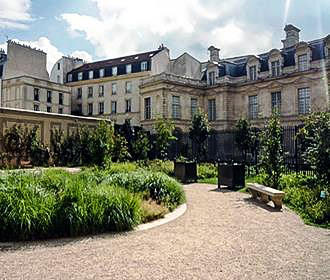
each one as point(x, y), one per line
point(302, 62)
point(90, 74)
point(128, 68)
point(211, 78)
point(144, 66)
point(276, 69)
point(101, 73)
point(114, 71)
point(70, 78)
point(253, 72)
point(80, 76)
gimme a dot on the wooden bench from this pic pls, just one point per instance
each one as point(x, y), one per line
point(266, 194)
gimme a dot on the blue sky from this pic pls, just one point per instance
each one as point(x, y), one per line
point(97, 29)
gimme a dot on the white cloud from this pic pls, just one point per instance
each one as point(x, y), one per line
point(236, 39)
point(53, 53)
point(14, 13)
point(127, 26)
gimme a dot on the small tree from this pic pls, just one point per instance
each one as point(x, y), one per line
point(316, 135)
point(244, 137)
point(120, 151)
point(164, 135)
point(141, 146)
point(271, 155)
point(199, 131)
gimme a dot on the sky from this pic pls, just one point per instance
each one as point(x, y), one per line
point(99, 29)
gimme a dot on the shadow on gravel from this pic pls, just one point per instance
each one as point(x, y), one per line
point(50, 243)
point(256, 203)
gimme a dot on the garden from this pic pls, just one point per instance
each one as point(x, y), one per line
point(126, 178)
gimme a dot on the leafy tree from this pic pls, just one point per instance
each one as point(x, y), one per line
point(316, 134)
point(271, 154)
point(120, 151)
point(164, 135)
point(141, 146)
point(244, 136)
point(199, 131)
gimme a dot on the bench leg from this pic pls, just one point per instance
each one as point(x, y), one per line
point(254, 193)
point(264, 197)
point(278, 202)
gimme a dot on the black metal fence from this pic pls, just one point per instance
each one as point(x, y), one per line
point(221, 146)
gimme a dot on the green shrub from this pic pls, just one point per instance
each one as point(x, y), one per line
point(124, 167)
point(165, 166)
point(207, 170)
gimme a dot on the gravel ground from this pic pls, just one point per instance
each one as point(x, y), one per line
point(223, 235)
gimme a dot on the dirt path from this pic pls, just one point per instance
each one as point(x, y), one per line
point(222, 235)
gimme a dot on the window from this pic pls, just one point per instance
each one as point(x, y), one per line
point(193, 106)
point(144, 66)
point(114, 88)
point(211, 110)
point(302, 62)
point(253, 72)
point(276, 101)
point(253, 106)
point(58, 79)
point(275, 68)
point(101, 73)
point(211, 78)
point(60, 110)
point(49, 96)
point(80, 109)
point(60, 98)
point(304, 101)
point(113, 107)
point(114, 71)
point(79, 93)
point(147, 108)
point(90, 92)
point(90, 109)
point(80, 76)
point(36, 94)
point(101, 108)
point(176, 107)
point(128, 68)
point(70, 77)
point(90, 74)
point(49, 109)
point(58, 66)
point(101, 91)
point(128, 87)
point(36, 107)
point(128, 105)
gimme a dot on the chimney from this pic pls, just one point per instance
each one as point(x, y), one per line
point(292, 36)
point(214, 54)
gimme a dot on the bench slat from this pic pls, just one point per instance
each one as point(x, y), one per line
point(264, 189)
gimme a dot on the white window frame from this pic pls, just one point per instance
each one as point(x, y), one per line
point(147, 108)
point(253, 72)
point(113, 107)
point(302, 62)
point(101, 108)
point(275, 68)
point(101, 72)
point(80, 76)
point(211, 78)
point(304, 101)
point(253, 106)
point(128, 105)
point(176, 107)
point(101, 90)
point(193, 106)
point(90, 74)
point(128, 68)
point(276, 101)
point(128, 87)
point(90, 109)
point(114, 88)
point(90, 92)
point(212, 109)
point(144, 66)
point(70, 78)
point(114, 71)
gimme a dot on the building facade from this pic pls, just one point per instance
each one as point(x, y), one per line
point(25, 82)
point(293, 81)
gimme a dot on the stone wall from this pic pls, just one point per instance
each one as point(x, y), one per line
point(46, 122)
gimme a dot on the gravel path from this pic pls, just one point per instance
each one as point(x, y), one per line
point(223, 235)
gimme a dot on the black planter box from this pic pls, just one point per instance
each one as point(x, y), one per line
point(231, 175)
point(185, 171)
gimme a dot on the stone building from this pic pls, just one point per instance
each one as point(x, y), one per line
point(293, 80)
point(25, 83)
point(63, 66)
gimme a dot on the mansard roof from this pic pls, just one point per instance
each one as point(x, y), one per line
point(130, 59)
point(236, 66)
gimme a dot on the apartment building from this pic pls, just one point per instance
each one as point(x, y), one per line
point(110, 88)
point(25, 82)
